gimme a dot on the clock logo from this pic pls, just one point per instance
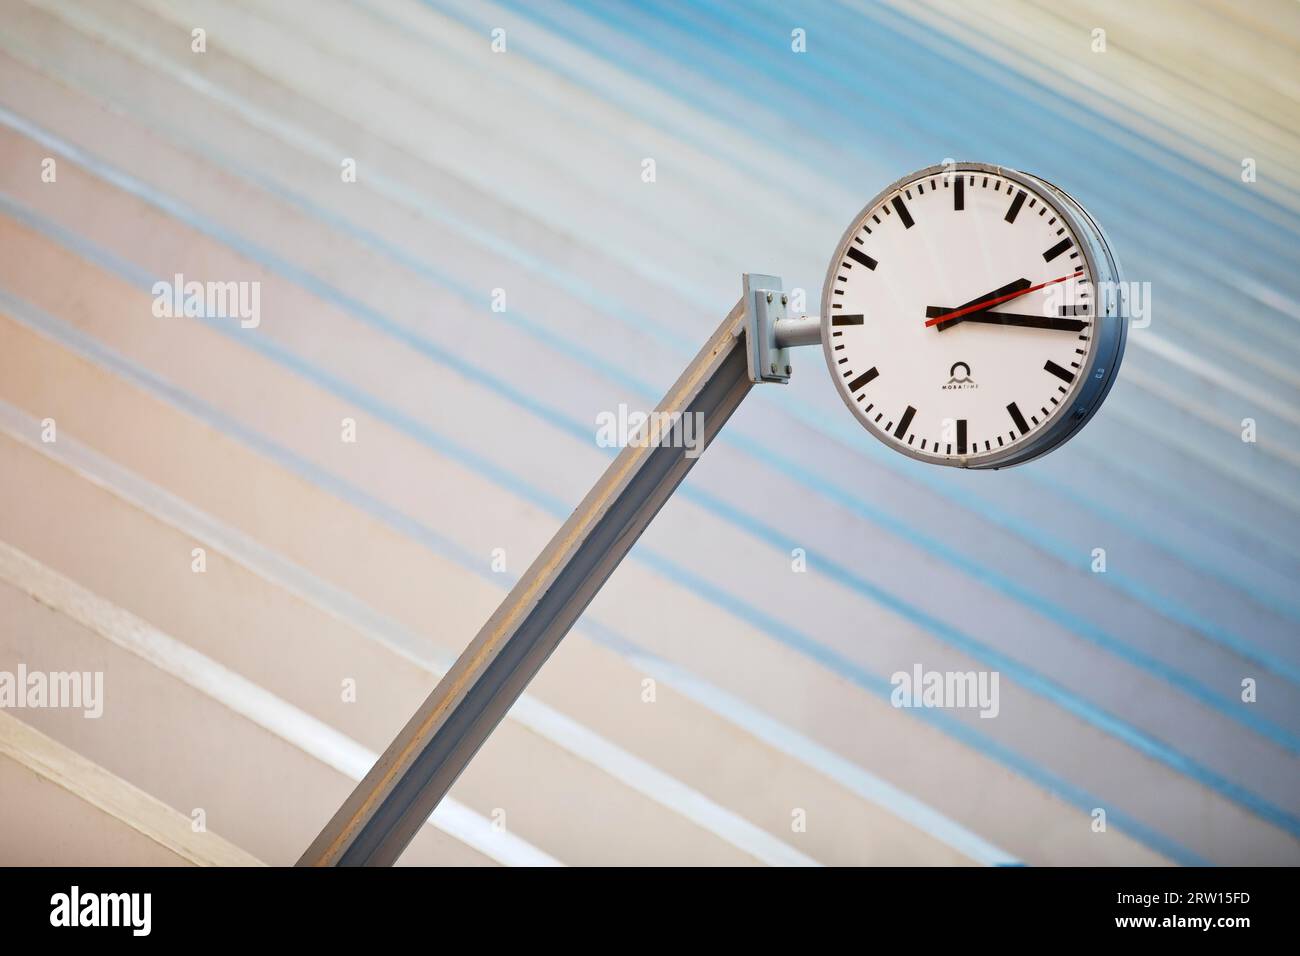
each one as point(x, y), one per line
point(960, 381)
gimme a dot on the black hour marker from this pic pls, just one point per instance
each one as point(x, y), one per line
point(1019, 419)
point(1073, 309)
point(959, 194)
point(1064, 374)
point(903, 422)
point(1057, 249)
point(961, 436)
point(863, 379)
point(846, 320)
point(1015, 206)
point(857, 255)
point(902, 211)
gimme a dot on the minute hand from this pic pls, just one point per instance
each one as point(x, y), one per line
point(1010, 318)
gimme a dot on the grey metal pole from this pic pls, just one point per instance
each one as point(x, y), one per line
point(396, 797)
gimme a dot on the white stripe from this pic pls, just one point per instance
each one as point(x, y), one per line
point(300, 138)
point(1213, 374)
point(1220, 421)
point(540, 718)
point(861, 782)
point(245, 698)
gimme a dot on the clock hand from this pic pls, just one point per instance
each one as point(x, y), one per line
point(996, 299)
point(989, 317)
point(1009, 288)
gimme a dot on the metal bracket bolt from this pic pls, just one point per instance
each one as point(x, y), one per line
point(770, 332)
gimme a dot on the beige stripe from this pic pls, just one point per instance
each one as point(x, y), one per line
point(119, 799)
point(1214, 101)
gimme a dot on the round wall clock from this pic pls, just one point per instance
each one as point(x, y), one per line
point(973, 316)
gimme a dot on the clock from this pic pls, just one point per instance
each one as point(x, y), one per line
point(973, 316)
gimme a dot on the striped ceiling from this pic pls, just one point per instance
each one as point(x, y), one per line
point(268, 601)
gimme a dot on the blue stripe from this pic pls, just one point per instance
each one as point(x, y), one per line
point(1171, 608)
point(1034, 682)
point(87, 346)
point(713, 48)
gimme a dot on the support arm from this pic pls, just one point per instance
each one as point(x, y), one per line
point(397, 796)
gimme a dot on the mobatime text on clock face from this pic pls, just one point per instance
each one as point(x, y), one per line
point(960, 316)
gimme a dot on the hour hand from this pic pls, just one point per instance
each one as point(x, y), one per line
point(1011, 289)
point(990, 317)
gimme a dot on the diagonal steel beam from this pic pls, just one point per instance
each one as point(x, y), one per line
point(387, 808)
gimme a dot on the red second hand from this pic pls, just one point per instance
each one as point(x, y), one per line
point(979, 306)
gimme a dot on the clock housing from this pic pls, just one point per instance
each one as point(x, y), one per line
point(973, 392)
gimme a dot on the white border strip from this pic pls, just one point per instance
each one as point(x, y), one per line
point(245, 698)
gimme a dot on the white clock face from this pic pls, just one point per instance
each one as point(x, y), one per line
point(959, 315)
